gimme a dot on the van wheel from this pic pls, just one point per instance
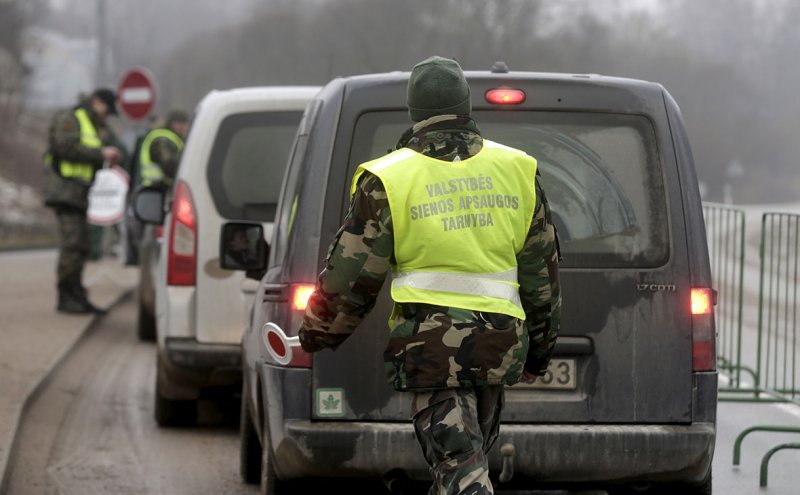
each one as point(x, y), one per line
point(270, 484)
point(170, 412)
point(146, 324)
point(249, 446)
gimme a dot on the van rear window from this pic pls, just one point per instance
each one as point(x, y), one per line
point(601, 173)
point(247, 163)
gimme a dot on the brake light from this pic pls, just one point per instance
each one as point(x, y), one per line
point(701, 301)
point(505, 96)
point(703, 330)
point(285, 350)
point(182, 256)
point(301, 293)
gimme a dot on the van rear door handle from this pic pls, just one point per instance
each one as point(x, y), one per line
point(573, 346)
point(276, 292)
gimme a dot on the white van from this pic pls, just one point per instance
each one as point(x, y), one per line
point(232, 167)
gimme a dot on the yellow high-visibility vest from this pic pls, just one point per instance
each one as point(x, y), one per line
point(89, 138)
point(151, 172)
point(458, 226)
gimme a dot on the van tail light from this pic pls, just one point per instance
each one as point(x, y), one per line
point(182, 255)
point(300, 296)
point(703, 329)
point(284, 349)
point(505, 96)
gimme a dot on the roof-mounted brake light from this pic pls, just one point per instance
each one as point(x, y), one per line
point(505, 96)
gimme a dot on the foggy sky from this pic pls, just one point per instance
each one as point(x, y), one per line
point(728, 63)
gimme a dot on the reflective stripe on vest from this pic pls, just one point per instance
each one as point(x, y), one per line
point(90, 139)
point(151, 172)
point(458, 226)
point(501, 285)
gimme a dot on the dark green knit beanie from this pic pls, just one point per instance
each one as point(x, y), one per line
point(437, 87)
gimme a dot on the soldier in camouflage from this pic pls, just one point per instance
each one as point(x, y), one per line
point(157, 155)
point(454, 360)
point(78, 146)
point(161, 150)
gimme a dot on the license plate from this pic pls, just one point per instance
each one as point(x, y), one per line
point(560, 375)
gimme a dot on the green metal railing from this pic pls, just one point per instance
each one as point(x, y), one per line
point(777, 374)
point(725, 233)
point(737, 446)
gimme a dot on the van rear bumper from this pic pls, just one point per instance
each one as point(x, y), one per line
point(186, 366)
point(548, 453)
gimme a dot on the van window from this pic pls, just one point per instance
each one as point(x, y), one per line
point(289, 201)
point(601, 173)
point(247, 163)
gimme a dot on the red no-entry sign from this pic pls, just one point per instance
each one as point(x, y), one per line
point(136, 94)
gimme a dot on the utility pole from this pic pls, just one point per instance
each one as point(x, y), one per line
point(100, 69)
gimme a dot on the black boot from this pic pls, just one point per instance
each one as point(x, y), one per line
point(81, 294)
point(68, 302)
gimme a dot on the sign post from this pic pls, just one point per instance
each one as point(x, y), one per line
point(136, 93)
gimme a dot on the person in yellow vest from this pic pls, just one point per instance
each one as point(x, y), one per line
point(77, 147)
point(161, 150)
point(465, 228)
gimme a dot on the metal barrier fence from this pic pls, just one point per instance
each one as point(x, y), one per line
point(725, 232)
point(774, 369)
point(777, 373)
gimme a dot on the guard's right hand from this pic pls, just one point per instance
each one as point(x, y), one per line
point(308, 343)
point(111, 154)
point(528, 378)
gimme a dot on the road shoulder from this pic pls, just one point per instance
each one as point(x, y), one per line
point(36, 337)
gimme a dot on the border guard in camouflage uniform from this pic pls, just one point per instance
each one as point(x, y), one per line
point(156, 158)
point(77, 148)
point(161, 150)
point(477, 296)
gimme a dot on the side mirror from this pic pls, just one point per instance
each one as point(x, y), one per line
point(148, 205)
point(242, 247)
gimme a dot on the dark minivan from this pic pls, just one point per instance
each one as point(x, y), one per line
point(629, 402)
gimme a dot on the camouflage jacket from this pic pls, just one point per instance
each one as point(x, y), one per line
point(166, 155)
point(64, 143)
point(64, 139)
point(420, 354)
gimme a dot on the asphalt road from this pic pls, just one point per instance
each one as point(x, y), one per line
point(90, 430)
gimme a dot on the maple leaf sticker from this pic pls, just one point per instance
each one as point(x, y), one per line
point(330, 402)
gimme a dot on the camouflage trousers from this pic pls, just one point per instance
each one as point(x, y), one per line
point(456, 428)
point(74, 246)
